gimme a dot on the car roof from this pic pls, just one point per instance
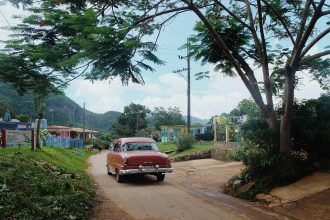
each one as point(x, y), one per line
point(135, 139)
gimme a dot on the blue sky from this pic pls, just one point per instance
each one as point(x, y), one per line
point(164, 88)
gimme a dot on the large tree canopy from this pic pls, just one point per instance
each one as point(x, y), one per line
point(112, 39)
point(171, 116)
point(131, 120)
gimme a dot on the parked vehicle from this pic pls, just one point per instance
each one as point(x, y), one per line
point(137, 155)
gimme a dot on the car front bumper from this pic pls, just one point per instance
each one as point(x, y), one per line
point(146, 171)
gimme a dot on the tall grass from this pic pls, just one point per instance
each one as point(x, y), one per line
point(50, 183)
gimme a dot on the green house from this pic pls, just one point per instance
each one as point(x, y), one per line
point(169, 133)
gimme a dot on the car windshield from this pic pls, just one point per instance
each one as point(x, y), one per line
point(140, 146)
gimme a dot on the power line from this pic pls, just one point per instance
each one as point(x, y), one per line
point(5, 18)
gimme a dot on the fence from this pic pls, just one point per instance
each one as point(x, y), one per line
point(18, 138)
point(12, 138)
point(53, 141)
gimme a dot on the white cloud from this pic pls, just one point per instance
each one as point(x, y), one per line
point(220, 95)
point(98, 96)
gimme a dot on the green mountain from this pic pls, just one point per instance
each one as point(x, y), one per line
point(59, 110)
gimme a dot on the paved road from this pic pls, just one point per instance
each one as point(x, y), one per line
point(193, 191)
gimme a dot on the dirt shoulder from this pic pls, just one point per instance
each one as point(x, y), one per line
point(309, 185)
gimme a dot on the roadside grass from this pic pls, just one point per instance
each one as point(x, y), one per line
point(50, 183)
point(197, 147)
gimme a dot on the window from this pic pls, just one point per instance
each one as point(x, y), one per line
point(140, 146)
point(116, 147)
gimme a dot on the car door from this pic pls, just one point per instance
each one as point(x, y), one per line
point(112, 156)
point(116, 157)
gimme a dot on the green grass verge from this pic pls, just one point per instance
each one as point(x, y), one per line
point(197, 147)
point(50, 183)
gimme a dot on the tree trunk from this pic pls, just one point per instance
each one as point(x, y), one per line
point(286, 118)
point(38, 141)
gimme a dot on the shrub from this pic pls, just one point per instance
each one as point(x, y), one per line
point(104, 140)
point(266, 167)
point(184, 141)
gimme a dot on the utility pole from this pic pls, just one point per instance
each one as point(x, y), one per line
point(84, 127)
point(52, 113)
point(188, 83)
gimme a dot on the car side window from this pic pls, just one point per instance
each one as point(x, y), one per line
point(127, 147)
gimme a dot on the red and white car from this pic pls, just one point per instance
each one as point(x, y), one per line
point(137, 155)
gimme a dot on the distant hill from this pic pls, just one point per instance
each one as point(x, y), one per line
point(196, 121)
point(65, 111)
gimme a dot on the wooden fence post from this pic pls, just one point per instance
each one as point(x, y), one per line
point(3, 138)
point(227, 133)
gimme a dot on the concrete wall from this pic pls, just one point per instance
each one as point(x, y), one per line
point(16, 138)
point(223, 150)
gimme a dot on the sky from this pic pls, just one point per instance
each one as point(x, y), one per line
point(164, 88)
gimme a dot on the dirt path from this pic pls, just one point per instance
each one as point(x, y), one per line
point(192, 192)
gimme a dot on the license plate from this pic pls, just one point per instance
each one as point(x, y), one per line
point(148, 167)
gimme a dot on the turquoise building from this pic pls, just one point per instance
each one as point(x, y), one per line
point(169, 133)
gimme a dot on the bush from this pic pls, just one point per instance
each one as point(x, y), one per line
point(104, 140)
point(184, 141)
point(266, 167)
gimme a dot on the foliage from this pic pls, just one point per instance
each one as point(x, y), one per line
point(43, 136)
point(104, 140)
point(267, 168)
point(45, 184)
point(170, 148)
point(145, 132)
point(4, 107)
point(310, 144)
point(311, 126)
point(257, 132)
point(131, 120)
point(171, 116)
point(208, 135)
point(184, 142)
point(246, 107)
point(23, 118)
point(60, 37)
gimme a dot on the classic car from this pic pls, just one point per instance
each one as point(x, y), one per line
point(137, 155)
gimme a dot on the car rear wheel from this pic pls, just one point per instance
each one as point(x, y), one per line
point(109, 173)
point(160, 177)
point(119, 177)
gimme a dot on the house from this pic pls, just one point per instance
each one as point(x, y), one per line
point(169, 133)
point(68, 136)
point(13, 124)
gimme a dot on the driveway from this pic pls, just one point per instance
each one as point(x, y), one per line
point(193, 191)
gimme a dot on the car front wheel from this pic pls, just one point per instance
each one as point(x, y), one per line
point(119, 177)
point(160, 177)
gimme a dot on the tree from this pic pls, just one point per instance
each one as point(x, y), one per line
point(23, 118)
point(246, 107)
point(109, 37)
point(39, 105)
point(171, 116)
point(311, 126)
point(132, 120)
